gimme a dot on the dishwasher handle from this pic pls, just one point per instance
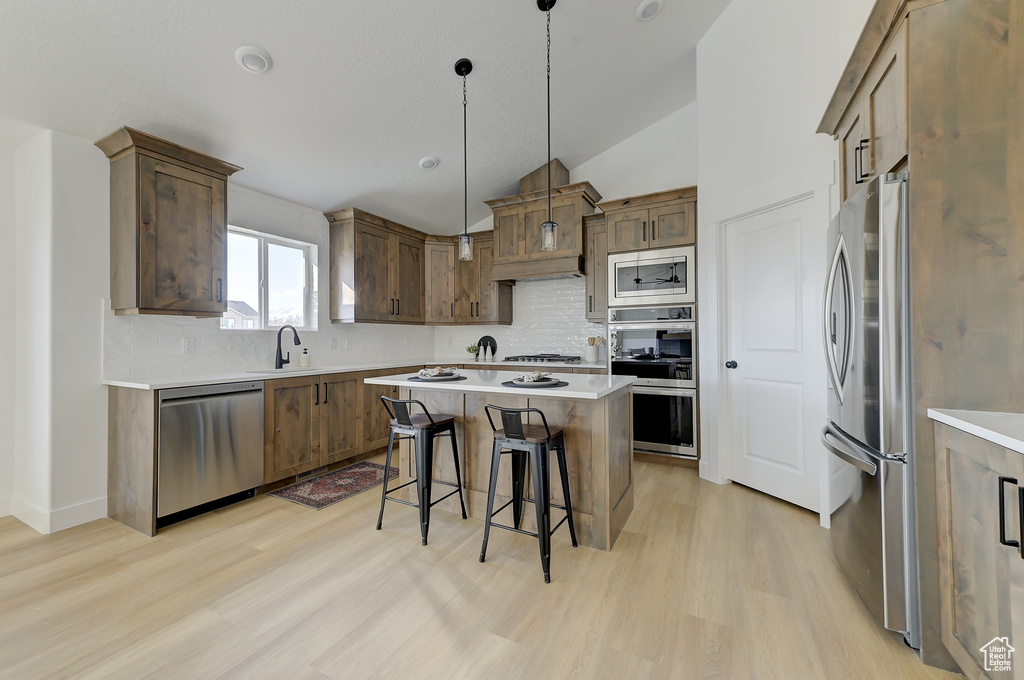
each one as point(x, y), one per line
point(200, 391)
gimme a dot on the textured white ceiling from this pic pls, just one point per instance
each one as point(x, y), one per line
point(359, 91)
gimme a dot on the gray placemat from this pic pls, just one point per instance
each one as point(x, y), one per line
point(535, 385)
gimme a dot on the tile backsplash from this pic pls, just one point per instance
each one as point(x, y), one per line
point(549, 316)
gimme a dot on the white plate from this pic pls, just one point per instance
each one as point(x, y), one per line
point(442, 376)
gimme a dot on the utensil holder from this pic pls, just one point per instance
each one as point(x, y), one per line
point(590, 354)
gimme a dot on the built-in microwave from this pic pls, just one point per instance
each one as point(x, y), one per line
point(652, 277)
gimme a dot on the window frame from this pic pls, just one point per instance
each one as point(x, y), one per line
point(264, 241)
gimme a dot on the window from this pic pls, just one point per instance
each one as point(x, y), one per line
point(272, 281)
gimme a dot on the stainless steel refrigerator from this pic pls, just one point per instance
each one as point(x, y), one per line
point(866, 328)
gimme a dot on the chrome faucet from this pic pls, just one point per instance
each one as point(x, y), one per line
point(278, 361)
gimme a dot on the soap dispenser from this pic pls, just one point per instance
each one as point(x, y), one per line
point(304, 358)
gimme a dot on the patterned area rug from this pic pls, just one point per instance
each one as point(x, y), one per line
point(325, 490)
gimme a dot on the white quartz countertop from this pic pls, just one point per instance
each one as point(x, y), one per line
point(580, 386)
point(1004, 429)
point(294, 372)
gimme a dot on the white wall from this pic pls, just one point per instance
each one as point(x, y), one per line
point(80, 262)
point(765, 73)
point(33, 465)
point(7, 312)
point(662, 156)
point(61, 264)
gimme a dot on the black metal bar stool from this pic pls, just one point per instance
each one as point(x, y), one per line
point(535, 441)
point(421, 428)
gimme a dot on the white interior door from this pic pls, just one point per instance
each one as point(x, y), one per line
point(775, 263)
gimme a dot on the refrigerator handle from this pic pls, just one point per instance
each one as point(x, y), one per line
point(836, 373)
point(851, 456)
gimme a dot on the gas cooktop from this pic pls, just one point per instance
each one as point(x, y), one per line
point(544, 358)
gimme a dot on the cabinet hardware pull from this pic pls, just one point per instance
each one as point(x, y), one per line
point(317, 403)
point(1020, 517)
point(220, 290)
point(865, 144)
point(856, 165)
point(325, 393)
point(392, 312)
point(644, 227)
point(453, 310)
point(654, 230)
point(590, 303)
point(478, 309)
point(1002, 514)
point(398, 307)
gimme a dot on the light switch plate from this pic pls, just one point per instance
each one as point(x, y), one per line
point(188, 345)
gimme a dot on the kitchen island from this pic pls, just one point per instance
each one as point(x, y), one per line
point(595, 413)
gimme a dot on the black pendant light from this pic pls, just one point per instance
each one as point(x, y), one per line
point(463, 68)
point(549, 230)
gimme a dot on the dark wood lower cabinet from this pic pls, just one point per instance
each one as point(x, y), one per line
point(341, 411)
point(981, 571)
point(291, 421)
point(311, 421)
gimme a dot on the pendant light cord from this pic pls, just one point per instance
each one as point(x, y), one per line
point(549, 115)
point(465, 162)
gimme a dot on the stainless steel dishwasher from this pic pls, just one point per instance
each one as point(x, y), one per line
point(210, 444)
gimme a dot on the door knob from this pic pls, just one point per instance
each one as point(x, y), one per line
point(731, 364)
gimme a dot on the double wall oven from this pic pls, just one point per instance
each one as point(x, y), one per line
point(658, 345)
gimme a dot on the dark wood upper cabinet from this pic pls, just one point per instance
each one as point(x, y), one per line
point(377, 269)
point(596, 235)
point(517, 231)
point(440, 282)
point(482, 300)
point(168, 227)
point(659, 220)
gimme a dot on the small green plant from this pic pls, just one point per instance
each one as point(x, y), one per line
point(473, 349)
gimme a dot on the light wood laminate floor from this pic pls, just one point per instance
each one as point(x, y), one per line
point(706, 581)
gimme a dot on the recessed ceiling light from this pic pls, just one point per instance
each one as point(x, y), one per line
point(253, 59)
point(647, 9)
point(429, 163)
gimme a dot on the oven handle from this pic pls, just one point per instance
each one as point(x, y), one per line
point(664, 391)
point(661, 326)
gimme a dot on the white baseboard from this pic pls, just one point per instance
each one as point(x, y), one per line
point(57, 520)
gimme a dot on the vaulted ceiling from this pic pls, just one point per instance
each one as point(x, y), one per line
point(358, 92)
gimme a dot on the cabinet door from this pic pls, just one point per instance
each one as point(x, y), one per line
point(508, 233)
point(673, 225)
point(469, 289)
point(182, 238)
point(407, 273)
point(374, 297)
point(487, 298)
point(597, 274)
point(563, 212)
point(981, 579)
point(627, 230)
point(340, 416)
point(440, 283)
point(887, 107)
point(855, 149)
point(291, 421)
